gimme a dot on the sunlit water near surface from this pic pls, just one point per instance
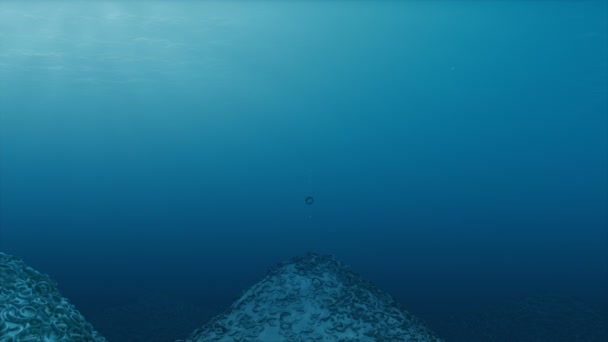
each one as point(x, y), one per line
point(155, 156)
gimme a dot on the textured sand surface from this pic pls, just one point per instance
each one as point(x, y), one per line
point(313, 298)
point(32, 309)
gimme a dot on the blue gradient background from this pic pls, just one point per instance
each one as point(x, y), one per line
point(457, 151)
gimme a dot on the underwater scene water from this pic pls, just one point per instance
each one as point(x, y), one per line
point(158, 157)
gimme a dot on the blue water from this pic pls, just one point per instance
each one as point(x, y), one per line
point(457, 151)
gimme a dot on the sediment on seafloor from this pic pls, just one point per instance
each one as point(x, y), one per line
point(314, 298)
point(32, 309)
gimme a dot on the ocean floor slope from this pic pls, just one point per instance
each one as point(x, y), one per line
point(313, 298)
point(32, 309)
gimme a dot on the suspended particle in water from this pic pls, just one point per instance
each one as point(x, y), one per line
point(309, 200)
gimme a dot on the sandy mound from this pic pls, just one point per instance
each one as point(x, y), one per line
point(313, 298)
point(31, 308)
